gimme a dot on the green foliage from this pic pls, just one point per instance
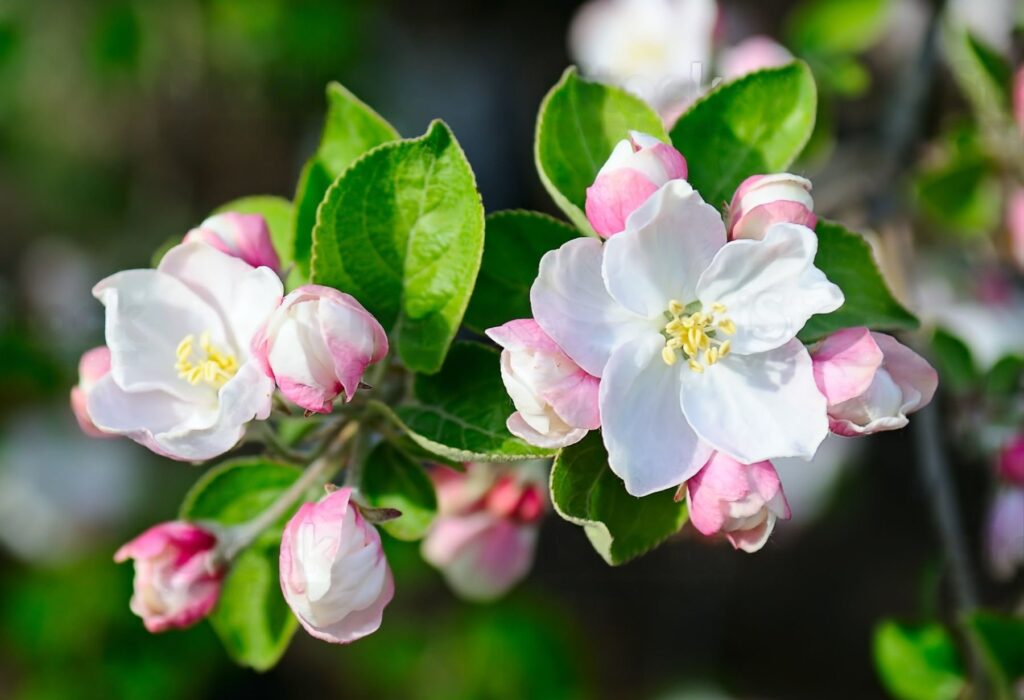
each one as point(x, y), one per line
point(351, 128)
point(391, 479)
point(402, 230)
point(917, 662)
point(620, 526)
point(1001, 641)
point(756, 124)
point(846, 259)
point(460, 413)
point(981, 72)
point(578, 126)
point(836, 26)
point(955, 364)
point(251, 619)
point(515, 243)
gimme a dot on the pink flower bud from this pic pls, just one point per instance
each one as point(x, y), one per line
point(1011, 461)
point(333, 572)
point(871, 381)
point(763, 200)
point(177, 577)
point(243, 236)
point(317, 344)
point(556, 401)
point(484, 537)
point(637, 167)
point(93, 366)
point(751, 54)
point(1005, 533)
point(740, 501)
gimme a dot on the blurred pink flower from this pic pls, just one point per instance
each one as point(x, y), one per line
point(1005, 532)
point(94, 365)
point(751, 54)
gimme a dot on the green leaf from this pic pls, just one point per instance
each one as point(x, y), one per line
point(756, 124)
point(578, 126)
point(963, 195)
point(393, 480)
point(981, 72)
point(460, 413)
point(351, 128)
point(956, 366)
point(1001, 640)
point(836, 26)
point(620, 526)
point(278, 213)
point(917, 662)
point(846, 259)
point(514, 245)
point(402, 230)
point(251, 617)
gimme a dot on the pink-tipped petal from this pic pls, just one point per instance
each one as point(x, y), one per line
point(845, 364)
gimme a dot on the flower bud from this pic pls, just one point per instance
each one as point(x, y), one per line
point(244, 236)
point(177, 577)
point(637, 167)
point(871, 381)
point(556, 401)
point(1005, 533)
point(484, 537)
point(763, 200)
point(333, 572)
point(1011, 461)
point(94, 365)
point(317, 344)
point(751, 54)
point(740, 501)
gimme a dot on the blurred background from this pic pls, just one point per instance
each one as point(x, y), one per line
point(123, 123)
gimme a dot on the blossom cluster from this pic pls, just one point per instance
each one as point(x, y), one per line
point(677, 336)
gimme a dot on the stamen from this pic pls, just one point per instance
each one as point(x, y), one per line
point(697, 335)
point(215, 367)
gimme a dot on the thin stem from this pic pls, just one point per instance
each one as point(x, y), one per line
point(319, 471)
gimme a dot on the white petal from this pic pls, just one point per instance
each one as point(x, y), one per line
point(667, 244)
point(650, 445)
point(148, 315)
point(571, 304)
point(769, 287)
point(244, 296)
point(758, 407)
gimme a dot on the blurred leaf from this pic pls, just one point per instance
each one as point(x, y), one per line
point(841, 75)
point(621, 527)
point(578, 125)
point(836, 26)
point(756, 124)
point(917, 662)
point(251, 618)
point(1001, 640)
point(351, 128)
point(460, 413)
point(278, 214)
point(116, 39)
point(402, 230)
point(963, 195)
point(981, 72)
point(846, 259)
point(956, 366)
point(393, 480)
point(514, 244)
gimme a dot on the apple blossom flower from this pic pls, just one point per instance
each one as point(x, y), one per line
point(94, 365)
point(692, 337)
point(244, 236)
point(177, 575)
point(485, 534)
point(1005, 532)
point(753, 53)
point(182, 381)
point(317, 344)
point(740, 501)
point(657, 49)
point(871, 381)
point(634, 171)
point(1011, 461)
point(333, 572)
point(763, 200)
point(555, 400)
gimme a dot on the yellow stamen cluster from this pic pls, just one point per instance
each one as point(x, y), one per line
point(696, 335)
point(215, 367)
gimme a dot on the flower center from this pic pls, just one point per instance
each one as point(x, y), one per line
point(697, 335)
point(209, 365)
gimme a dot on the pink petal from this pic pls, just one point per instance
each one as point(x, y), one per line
point(845, 364)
